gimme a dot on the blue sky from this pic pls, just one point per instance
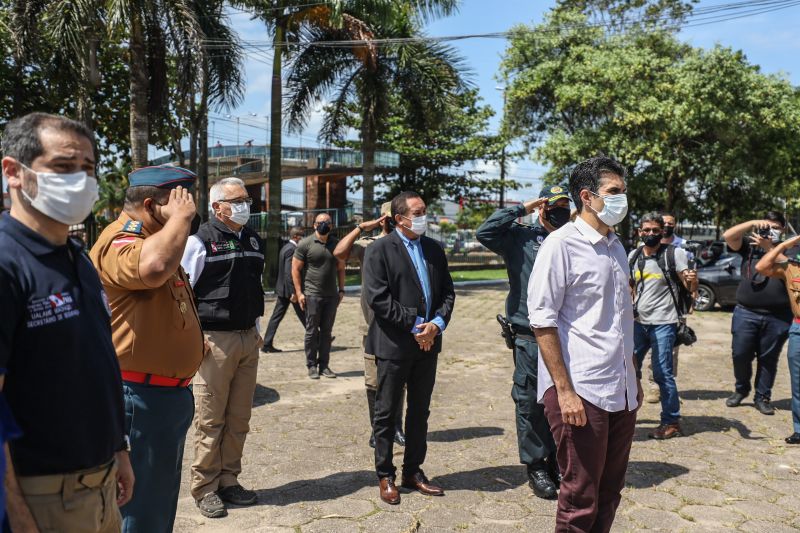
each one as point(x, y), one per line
point(769, 40)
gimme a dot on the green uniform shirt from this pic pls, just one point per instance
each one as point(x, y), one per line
point(320, 269)
point(518, 245)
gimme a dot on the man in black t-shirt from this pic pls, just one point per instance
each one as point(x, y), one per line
point(761, 320)
point(70, 469)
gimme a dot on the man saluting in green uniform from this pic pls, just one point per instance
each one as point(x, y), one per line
point(518, 244)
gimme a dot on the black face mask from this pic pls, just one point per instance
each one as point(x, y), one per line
point(323, 228)
point(669, 231)
point(557, 216)
point(652, 240)
point(195, 224)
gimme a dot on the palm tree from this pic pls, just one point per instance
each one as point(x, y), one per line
point(425, 74)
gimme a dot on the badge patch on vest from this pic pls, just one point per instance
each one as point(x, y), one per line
point(540, 239)
point(254, 243)
point(223, 246)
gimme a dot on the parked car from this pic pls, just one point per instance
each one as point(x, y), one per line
point(718, 279)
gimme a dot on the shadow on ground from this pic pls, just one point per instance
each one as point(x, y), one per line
point(703, 394)
point(264, 395)
point(350, 374)
point(645, 474)
point(784, 404)
point(489, 479)
point(329, 487)
point(693, 425)
point(455, 435)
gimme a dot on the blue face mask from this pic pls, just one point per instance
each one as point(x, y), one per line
point(614, 210)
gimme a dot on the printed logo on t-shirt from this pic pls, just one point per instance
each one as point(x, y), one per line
point(56, 307)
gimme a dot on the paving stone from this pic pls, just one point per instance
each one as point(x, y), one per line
point(760, 526)
point(308, 459)
point(711, 516)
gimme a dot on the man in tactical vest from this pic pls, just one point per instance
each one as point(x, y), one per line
point(225, 260)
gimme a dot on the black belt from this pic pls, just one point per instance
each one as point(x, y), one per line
point(523, 333)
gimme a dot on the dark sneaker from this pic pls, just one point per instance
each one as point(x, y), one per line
point(313, 373)
point(540, 482)
point(238, 495)
point(735, 399)
point(794, 438)
point(211, 506)
point(666, 431)
point(328, 373)
point(764, 406)
point(270, 349)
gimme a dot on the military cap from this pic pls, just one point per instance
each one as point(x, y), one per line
point(162, 176)
point(554, 193)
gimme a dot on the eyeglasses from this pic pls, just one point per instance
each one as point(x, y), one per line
point(654, 231)
point(238, 201)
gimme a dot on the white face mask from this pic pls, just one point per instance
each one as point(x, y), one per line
point(614, 210)
point(775, 235)
point(240, 213)
point(66, 198)
point(419, 224)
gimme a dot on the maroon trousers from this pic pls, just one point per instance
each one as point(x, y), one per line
point(593, 460)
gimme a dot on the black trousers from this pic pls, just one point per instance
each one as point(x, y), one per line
point(759, 337)
point(320, 316)
point(419, 376)
point(534, 438)
point(281, 306)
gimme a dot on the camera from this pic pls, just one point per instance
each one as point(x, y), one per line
point(764, 233)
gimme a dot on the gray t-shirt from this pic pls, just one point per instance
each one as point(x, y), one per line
point(321, 267)
point(653, 301)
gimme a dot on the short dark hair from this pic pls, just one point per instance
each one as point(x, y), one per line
point(134, 196)
point(652, 217)
point(296, 231)
point(587, 175)
point(665, 213)
point(776, 216)
point(22, 135)
point(400, 202)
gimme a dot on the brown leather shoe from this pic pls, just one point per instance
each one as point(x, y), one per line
point(389, 492)
point(419, 482)
point(666, 431)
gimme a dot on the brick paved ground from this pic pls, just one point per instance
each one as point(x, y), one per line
point(307, 453)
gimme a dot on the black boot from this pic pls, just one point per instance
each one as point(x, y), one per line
point(553, 470)
point(399, 436)
point(539, 480)
point(371, 404)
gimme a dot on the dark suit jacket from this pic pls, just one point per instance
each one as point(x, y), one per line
point(284, 286)
point(394, 293)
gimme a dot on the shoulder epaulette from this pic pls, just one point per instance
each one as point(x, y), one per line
point(132, 226)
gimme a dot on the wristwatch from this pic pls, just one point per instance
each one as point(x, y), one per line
point(360, 230)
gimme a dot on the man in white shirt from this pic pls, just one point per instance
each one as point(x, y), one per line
point(580, 308)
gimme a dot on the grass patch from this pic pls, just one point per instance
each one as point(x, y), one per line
point(352, 280)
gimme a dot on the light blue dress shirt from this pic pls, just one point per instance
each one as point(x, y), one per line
point(414, 249)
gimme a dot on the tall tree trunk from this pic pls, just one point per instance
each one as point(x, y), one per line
point(275, 143)
point(368, 142)
point(89, 83)
point(194, 128)
point(202, 165)
point(140, 126)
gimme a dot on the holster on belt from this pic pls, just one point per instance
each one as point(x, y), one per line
point(506, 331)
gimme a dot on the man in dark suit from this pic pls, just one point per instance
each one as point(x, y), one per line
point(410, 291)
point(284, 290)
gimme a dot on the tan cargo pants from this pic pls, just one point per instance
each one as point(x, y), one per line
point(79, 502)
point(223, 397)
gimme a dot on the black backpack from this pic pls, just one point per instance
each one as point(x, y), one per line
point(665, 257)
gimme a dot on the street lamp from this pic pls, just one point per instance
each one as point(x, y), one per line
point(503, 154)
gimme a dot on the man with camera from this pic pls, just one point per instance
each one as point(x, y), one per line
point(659, 272)
point(762, 316)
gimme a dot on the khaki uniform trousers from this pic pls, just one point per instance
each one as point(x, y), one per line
point(79, 502)
point(223, 395)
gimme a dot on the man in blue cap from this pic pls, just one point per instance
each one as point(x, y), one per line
point(519, 244)
point(156, 334)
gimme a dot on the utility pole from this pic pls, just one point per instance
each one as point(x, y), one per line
point(503, 153)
